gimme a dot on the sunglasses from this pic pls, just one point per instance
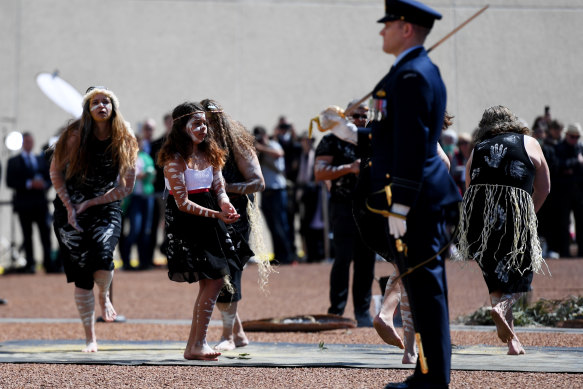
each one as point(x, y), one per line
point(573, 136)
point(358, 116)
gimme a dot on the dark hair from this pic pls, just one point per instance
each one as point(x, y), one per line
point(498, 120)
point(259, 130)
point(259, 133)
point(229, 134)
point(179, 142)
point(555, 124)
point(540, 122)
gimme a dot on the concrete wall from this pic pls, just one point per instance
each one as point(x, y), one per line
point(266, 58)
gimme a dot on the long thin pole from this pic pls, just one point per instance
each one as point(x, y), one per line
point(458, 28)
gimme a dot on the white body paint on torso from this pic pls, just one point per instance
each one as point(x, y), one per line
point(195, 179)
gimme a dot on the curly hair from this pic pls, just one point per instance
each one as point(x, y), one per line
point(124, 146)
point(447, 121)
point(179, 142)
point(229, 134)
point(498, 120)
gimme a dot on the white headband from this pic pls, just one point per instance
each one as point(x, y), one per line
point(102, 90)
point(189, 114)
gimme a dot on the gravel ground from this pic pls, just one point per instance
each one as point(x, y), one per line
point(298, 289)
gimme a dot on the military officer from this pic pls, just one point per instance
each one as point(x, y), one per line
point(413, 186)
point(409, 181)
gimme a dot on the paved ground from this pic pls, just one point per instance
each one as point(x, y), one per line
point(363, 356)
point(40, 336)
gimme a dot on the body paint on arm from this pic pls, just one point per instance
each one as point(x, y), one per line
point(174, 173)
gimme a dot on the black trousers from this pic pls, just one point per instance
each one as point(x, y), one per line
point(570, 199)
point(349, 247)
point(427, 290)
point(40, 217)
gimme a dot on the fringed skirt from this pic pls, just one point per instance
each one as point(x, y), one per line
point(498, 229)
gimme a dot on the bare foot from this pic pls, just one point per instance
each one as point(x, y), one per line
point(225, 345)
point(409, 358)
point(515, 348)
point(241, 340)
point(387, 332)
point(505, 333)
point(107, 311)
point(204, 353)
point(231, 343)
point(91, 347)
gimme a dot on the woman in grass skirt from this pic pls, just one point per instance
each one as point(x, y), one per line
point(507, 181)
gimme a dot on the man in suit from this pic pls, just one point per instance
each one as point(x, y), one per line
point(28, 175)
point(159, 186)
point(409, 182)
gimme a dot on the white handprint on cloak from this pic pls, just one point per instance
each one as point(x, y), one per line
point(497, 152)
point(516, 169)
point(70, 239)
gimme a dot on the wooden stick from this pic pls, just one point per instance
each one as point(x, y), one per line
point(354, 106)
point(458, 28)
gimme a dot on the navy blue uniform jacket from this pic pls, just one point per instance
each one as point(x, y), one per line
point(408, 112)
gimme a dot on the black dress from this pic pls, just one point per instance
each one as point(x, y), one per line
point(242, 227)
point(90, 250)
point(231, 174)
point(498, 226)
point(201, 247)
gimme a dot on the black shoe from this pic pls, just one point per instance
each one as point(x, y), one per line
point(3, 302)
point(332, 311)
point(397, 385)
point(405, 385)
point(363, 320)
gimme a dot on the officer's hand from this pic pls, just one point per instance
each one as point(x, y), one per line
point(332, 119)
point(341, 127)
point(346, 131)
point(397, 224)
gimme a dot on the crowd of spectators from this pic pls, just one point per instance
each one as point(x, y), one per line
point(292, 202)
point(295, 205)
